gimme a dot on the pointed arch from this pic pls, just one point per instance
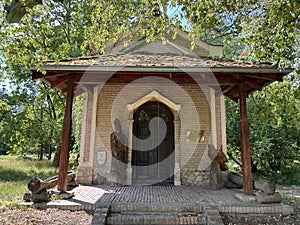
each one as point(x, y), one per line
point(154, 95)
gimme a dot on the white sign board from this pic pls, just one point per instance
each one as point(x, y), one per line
point(101, 157)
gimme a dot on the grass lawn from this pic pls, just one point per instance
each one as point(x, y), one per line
point(15, 174)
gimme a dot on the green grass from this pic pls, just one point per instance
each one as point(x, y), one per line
point(15, 174)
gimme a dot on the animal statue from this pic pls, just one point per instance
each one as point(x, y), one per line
point(218, 156)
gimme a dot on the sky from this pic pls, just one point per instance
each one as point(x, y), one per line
point(176, 11)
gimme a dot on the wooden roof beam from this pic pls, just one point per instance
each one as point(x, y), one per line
point(227, 89)
point(78, 91)
point(253, 84)
point(250, 82)
point(64, 90)
point(231, 97)
point(269, 77)
point(37, 75)
point(233, 93)
point(59, 81)
point(86, 88)
point(40, 75)
point(232, 79)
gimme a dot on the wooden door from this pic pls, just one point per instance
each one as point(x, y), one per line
point(153, 164)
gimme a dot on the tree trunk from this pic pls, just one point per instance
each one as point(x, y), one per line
point(41, 155)
point(56, 157)
point(53, 115)
point(36, 185)
point(50, 151)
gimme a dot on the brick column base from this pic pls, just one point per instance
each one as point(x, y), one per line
point(85, 175)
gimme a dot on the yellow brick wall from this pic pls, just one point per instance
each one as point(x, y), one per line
point(194, 115)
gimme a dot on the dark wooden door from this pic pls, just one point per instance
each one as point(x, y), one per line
point(153, 158)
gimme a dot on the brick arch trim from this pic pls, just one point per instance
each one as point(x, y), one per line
point(154, 95)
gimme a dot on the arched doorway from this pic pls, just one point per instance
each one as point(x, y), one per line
point(155, 165)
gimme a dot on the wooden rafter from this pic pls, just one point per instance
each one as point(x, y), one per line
point(86, 88)
point(40, 75)
point(269, 77)
point(59, 81)
point(253, 84)
point(227, 89)
point(227, 81)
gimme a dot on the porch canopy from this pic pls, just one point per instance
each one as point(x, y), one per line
point(234, 79)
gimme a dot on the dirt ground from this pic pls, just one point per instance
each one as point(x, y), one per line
point(231, 219)
point(33, 216)
point(291, 196)
point(49, 216)
point(57, 217)
point(261, 220)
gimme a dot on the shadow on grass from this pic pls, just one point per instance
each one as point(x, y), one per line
point(7, 174)
point(10, 174)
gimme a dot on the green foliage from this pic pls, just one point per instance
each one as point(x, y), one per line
point(266, 30)
point(30, 120)
point(44, 33)
point(274, 118)
point(278, 126)
point(287, 175)
point(77, 122)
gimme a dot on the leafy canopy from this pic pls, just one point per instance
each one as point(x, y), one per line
point(266, 30)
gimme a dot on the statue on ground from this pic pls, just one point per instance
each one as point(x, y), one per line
point(119, 154)
point(218, 164)
point(218, 156)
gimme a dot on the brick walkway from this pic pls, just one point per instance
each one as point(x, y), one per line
point(163, 199)
point(222, 199)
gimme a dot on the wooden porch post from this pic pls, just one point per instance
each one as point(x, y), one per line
point(66, 137)
point(245, 144)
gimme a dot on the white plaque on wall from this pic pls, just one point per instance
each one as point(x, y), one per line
point(101, 157)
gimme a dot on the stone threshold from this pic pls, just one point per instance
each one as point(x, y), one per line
point(242, 208)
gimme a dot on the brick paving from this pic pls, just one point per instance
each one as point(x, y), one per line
point(153, 204)
point(222, 199)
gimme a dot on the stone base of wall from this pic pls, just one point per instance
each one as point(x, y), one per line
point(85, 175)
point(194, 177)
point(99, 178)
point(189, 177)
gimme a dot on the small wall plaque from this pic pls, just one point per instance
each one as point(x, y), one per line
point(101, 157)
point(195, 135)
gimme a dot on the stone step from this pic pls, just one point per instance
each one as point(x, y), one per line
point(134, 214)
point(100, 216)
point(156, 208)
point(156, 218)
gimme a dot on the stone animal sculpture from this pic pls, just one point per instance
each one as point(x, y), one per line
point(218, 156)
